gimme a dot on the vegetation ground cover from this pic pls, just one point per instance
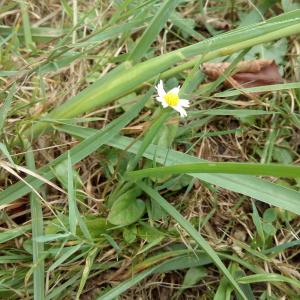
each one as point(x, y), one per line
point(105, 193)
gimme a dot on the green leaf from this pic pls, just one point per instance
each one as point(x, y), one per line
point(128, 101)
point(86, 271)
point(193, 276)
point(224, 289)
point(278, 170)
point(6, 106)
point(126, 211)
point(270, 215)
point(256, 14)
point(282, 247)
point(282, 155)
point(267, 277)
point(265, 88)
point(150, 135)
point(70, 251)
point(166, 135)
point(153, 29)
point(186, 25)
point(26, 25)
point(129, 234)
point(269, 229)
point(4, 150)
point(272, 51)
point(61, 173)
point(12, 233)
point(149, 233)
point(288, 5)
point(96, 226)
point(37, 33)
point(71, 197)
point(67, 8)
point(240, 113)
point(52, 237)
point(258, 223)
point(74, 215)
point(38, 255)
point(238, 272)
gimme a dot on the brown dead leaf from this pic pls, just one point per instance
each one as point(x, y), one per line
point(15, 205)
point(250, 73)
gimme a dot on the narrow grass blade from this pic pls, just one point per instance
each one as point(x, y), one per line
point(192, 232)
point(237, 272)
point(180, 22)
point(71, 198)
point(258, 223)
point(6, 106)
point(64, 257)
point(149, 136)
point(266, 277)
point(5, 152)
point(231, 112)
point(258, 89)
point(52, 237)
point(26, 25)
point(37, 230)
point(281, 247)
point(12, 233)
point(86, 271)
point(109, 33)
point(74, 215)
point(277, 170)
point(224, 290)
point(37, 33)
point(153, 30)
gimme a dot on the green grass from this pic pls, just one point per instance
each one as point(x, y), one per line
point(106, 195)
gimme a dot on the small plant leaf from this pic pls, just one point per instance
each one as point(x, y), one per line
point(270, 215)
point(193, 276)
point(126, 211)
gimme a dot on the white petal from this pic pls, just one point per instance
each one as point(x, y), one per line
point(184, 102)
point(175, 90)
point(181, 110)
point(160, 99)
point(160, 89)
point(164, 104)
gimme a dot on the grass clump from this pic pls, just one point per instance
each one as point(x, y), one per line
point(105, 194)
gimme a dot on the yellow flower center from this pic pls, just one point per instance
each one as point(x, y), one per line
point(171, 99)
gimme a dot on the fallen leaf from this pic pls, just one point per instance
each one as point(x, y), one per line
point(250, 73)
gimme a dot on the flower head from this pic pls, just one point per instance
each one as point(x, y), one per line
point(171, 98)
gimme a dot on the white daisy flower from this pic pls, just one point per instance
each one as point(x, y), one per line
point(171, 99)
